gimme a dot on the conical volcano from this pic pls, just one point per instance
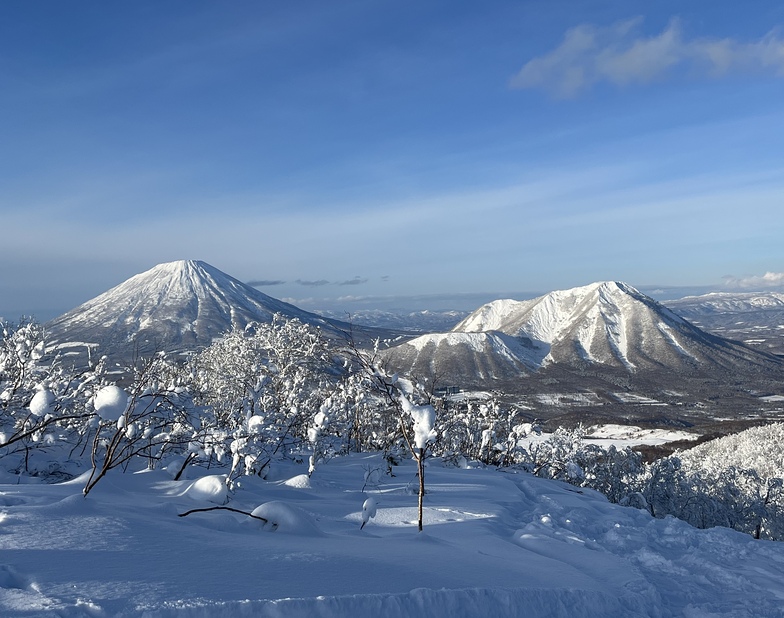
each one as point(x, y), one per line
point(174, 307)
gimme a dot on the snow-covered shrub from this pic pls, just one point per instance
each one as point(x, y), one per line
point(718, 483)
point(45, 411)
point(484, 431)
point(263, 386)
point(151, 419)
point(417, 417)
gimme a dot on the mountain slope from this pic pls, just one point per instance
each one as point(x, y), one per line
point(173, 307)
point(607, 325)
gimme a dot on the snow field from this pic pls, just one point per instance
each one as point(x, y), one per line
point(496, 542)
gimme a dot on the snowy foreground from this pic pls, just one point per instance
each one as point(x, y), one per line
point(495, 543)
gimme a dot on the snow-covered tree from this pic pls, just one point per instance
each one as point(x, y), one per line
point(264, 385)
point(416, 415)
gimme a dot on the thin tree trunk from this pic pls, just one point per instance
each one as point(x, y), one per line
point(421, 465)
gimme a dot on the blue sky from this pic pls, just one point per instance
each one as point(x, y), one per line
point(426, 152)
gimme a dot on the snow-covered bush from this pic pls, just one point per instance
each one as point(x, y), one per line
point(149, 420)
point(264, 385)
point(416, 415)
point(718, 483)
point(45, 411)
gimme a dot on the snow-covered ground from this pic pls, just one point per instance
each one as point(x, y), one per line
point(495, 543)
point(619, 436)
point(630, 435)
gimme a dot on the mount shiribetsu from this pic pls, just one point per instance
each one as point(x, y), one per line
point(602, 350)
point(608, 324)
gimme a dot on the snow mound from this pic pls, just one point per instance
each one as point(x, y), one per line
point(209, 489)
point(301, 481)
point(282, 517)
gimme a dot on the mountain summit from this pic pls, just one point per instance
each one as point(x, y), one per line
point(602, 326)
point(176, 306)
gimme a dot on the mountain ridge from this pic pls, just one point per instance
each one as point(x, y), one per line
point(755, 318)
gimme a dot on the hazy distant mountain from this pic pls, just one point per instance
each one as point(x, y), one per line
point(756, 318)
point(602, 326)
point(177, 306)
point(409, 321)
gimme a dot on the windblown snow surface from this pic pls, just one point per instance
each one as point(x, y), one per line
point(495, 543)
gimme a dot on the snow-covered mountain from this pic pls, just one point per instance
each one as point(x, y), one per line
point(176, 306)
point(606, 325)
point(756, 318)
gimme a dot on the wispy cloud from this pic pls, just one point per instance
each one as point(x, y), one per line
point(620, 55)
point(321, 282)
point(354, 281)
point(265, 282)
point(768, 280)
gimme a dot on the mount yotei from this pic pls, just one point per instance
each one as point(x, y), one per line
point(174, 307)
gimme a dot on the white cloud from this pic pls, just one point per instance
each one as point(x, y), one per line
point(768, 280)
point(620, 55)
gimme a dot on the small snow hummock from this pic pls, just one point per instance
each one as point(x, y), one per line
point(301, 481)
point(282, 517)
point(210, 488)
point(110, 403)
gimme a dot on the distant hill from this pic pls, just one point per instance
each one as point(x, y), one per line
point(755, 318)
point(417, 322)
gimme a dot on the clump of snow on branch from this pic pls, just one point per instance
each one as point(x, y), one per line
point(42, 402)
point(369, 508)
point(110, 402)
point(320, 422)
point(424, 418)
